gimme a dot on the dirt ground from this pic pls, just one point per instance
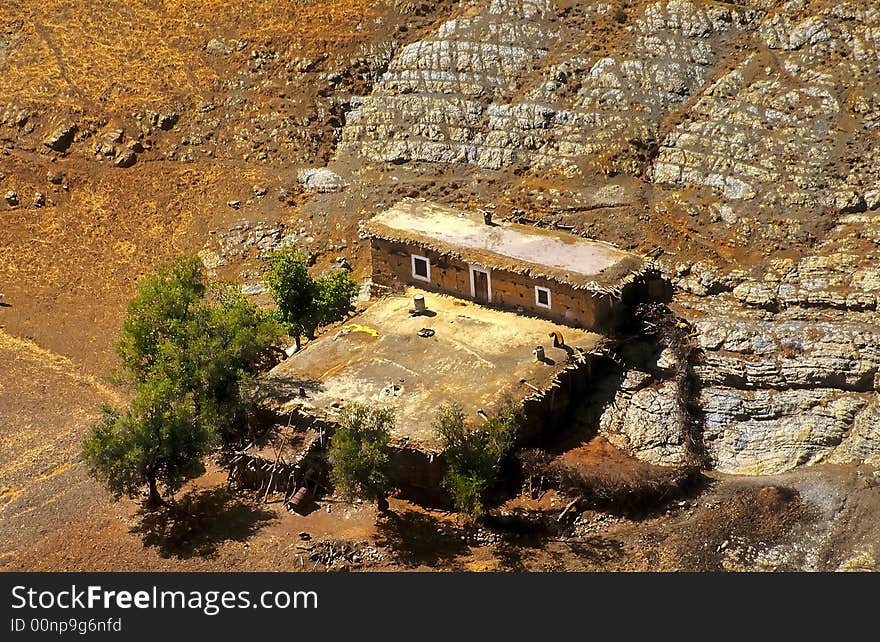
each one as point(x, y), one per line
point(738, 525)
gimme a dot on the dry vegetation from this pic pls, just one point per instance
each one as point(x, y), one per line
point(69, 267)
point(123, 55)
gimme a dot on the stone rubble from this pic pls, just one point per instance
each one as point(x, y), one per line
point(321, 180)
point(238, 241)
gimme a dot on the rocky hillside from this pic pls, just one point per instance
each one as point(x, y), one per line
point(126, 129)
point(743, 139)
point(739, 141)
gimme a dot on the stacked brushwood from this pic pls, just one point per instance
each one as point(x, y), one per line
point(277, 476)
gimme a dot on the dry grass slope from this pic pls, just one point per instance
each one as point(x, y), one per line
point(123, 55)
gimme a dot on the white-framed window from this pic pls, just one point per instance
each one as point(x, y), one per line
point(542, 297)
point(421, 268)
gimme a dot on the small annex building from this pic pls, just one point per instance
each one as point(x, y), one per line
point(548, 273)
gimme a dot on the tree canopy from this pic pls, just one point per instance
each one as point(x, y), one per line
point(360, 458)
point(190, 361)
point(293, 289)
point(305, 303)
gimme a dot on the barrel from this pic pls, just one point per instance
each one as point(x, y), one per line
point(300, 497)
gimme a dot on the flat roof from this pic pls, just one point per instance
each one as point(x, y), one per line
point(552, 254)
point(475, 356)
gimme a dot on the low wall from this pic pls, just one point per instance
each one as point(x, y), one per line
point(266, 476)
point(419, 474)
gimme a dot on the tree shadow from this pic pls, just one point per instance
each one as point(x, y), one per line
point(595, 549)
point(417, 539)
point(512, 557)
point(199, 522)
point(280, 386)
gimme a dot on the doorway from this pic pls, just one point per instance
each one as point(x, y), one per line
point(481, 284)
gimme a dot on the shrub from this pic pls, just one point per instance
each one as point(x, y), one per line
point(360, 457)
point(474, 457)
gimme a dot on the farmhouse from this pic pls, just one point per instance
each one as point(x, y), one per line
point(478, 311)
point(547, 273)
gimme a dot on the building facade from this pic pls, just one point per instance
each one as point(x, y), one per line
point(396, 263)
point(547, 273)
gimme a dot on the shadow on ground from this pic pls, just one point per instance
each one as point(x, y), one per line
point(418, 539)
point(523, 555)
point(199, 522)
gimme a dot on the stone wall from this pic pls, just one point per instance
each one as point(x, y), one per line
point(419, 474)
point(392, 265)
point(551, 410)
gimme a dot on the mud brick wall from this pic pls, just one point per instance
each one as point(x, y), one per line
point(419, 475)
point(392, 266)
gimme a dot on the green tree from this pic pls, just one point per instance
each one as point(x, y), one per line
point(224, 345)
point(333, 295)
point(305, 303)
point(159, 314)
point(292, 288)
point(474, 457)
point(190, 361)
point(157, 439)
point(360, 457)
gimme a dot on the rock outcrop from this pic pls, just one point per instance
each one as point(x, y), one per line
point(644, 420)
point(450, 98)
point(758, 124)
point(771, 431)
point(433, 102)
point(795, 354)
point(604, 114)
point(785, 392)
point(771, 129)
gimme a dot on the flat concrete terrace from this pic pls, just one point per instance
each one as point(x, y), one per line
point(554, 254)
point(475, 356)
